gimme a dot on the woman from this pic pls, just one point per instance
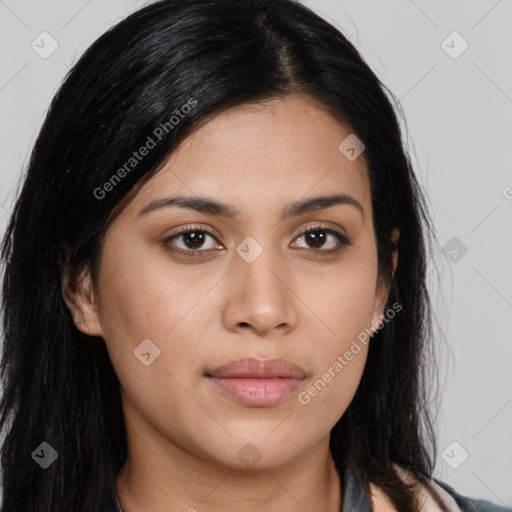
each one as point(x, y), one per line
point(214, 292)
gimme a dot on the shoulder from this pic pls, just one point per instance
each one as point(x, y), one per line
point(487, 506)
point(425, 497)
point(468, 504)
point(452, 501)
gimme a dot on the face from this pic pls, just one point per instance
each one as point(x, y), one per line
point(245, 282)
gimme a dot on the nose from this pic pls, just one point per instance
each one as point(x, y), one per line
point(261, 296)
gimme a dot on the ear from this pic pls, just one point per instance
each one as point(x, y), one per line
point(382, 290)
point(78, 294)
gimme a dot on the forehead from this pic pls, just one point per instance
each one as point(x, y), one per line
point(263, 154)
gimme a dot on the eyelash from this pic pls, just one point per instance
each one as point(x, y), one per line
point(316, 253)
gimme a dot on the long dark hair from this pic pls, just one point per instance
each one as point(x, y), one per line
point(59, 385)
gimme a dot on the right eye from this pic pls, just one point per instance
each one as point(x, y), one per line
point(192, 241)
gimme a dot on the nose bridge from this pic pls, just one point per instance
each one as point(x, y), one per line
point(262, 265)
point(263, 295)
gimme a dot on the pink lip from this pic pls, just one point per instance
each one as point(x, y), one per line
point(257, 382)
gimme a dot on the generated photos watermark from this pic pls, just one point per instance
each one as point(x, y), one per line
point(344, 359)
point(156, 136)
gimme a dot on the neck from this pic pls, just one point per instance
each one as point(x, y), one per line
point(161, 476)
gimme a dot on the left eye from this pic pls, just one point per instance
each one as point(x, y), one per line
point(317, 237)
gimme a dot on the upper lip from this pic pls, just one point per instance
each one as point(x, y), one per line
point(258, 368)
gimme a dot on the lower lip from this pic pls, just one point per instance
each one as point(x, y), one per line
point(256, 392)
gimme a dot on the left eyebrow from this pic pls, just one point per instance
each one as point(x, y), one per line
point(320, 203)
point(213, 207)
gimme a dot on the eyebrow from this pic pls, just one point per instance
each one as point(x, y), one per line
point(213, 207)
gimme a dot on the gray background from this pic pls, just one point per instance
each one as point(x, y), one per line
point(458, 113)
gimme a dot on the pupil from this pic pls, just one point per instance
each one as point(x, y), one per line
point(315, 238)
point(195, 237)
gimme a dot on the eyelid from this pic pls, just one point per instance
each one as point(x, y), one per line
point(194, 227)
point(324, 226)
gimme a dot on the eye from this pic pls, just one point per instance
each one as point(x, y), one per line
point(192, 241)
point(317, 237)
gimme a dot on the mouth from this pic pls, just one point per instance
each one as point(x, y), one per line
point(257, 382)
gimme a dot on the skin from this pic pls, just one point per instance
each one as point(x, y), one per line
point(183, 435)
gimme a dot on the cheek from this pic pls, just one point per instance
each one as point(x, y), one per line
point(329, 392)
point(343, 299)
point(147, 294)
point(335, 384)
point(151, 310)
point(343, 306)
point(142, 299)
